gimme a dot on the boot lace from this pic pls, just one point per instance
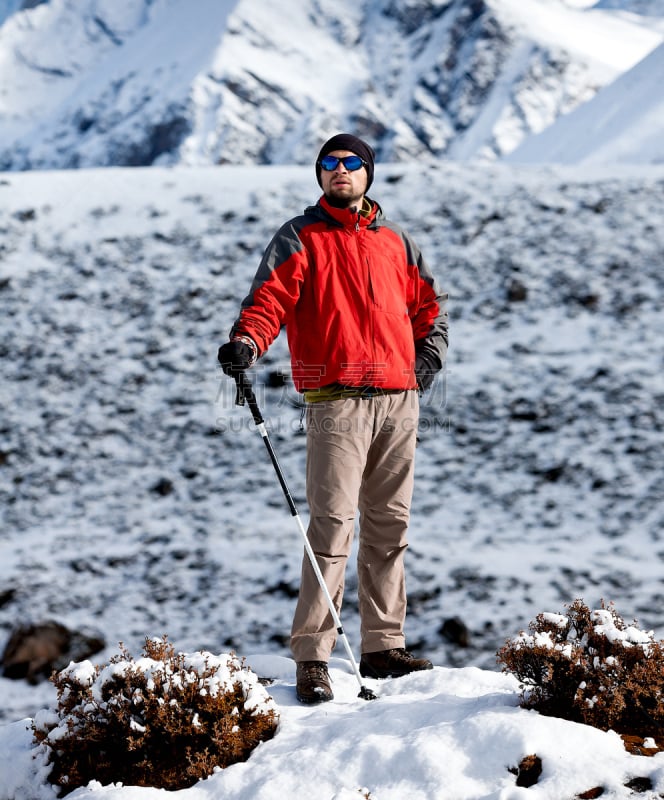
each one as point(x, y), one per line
point(399, 654)
point(317, 670)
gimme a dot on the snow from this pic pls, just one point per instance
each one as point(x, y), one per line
point(604, 624)
point(448, 733)
point(615, 42)
point(92, 284)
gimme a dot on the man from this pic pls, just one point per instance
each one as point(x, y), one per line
point(367, 327)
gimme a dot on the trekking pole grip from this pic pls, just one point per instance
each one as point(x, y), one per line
point(245, 392)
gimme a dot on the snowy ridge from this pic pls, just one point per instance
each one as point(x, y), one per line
point(623, 123)
point(138, 82)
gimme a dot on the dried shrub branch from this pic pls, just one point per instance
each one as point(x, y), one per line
point(165, 720)
point(591, 667)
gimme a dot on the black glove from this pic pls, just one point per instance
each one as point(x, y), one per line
point(235, 357)
point(426, 367)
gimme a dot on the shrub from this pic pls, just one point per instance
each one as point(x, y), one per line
point(590, 667)
point(165, 720)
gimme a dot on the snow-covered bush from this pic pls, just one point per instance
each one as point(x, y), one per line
point(165, 720)
point(591, 667)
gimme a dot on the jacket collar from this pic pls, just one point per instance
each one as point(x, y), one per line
point(346, 217)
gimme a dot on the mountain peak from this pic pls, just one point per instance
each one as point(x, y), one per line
point(231, 81)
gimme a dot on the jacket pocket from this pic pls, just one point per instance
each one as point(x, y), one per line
point(387, 290)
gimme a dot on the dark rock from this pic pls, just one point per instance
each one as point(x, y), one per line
point(276, 379)
point(640, 785)
point(591, 794)
point(517, 292)
point(6, 596)
point(283, 588)
point(529, 771)
point(163, 487)
point(282, 639)
point(589, 300)
point(27, 215)
point(523, 410)
point(34, 651)
point(163, 137)
point(455, 631)
point(553, 473)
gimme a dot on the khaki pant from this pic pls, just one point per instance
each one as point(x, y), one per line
point(360, 455)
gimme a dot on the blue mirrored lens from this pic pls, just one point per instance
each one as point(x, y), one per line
point(328, 163)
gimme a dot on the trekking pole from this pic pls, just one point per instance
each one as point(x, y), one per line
point(245, 392)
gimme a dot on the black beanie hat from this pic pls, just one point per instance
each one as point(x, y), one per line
point(346, 141)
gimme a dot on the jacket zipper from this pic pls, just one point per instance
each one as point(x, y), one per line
point(370, 305)
point(370, 290)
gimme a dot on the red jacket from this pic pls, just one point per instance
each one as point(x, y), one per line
point(355, 295)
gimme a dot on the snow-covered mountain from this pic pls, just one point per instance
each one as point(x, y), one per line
point(141, 82)
point(623, 123)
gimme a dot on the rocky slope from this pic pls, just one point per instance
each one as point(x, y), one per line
point(136, 498)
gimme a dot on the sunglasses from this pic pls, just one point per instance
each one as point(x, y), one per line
point(352, 163)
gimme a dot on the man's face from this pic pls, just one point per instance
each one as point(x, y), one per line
point(345, 187)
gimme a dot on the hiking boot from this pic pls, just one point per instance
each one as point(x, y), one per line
point(313, 682)
point(391, 663)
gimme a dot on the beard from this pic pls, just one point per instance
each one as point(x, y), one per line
point(341, 198)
